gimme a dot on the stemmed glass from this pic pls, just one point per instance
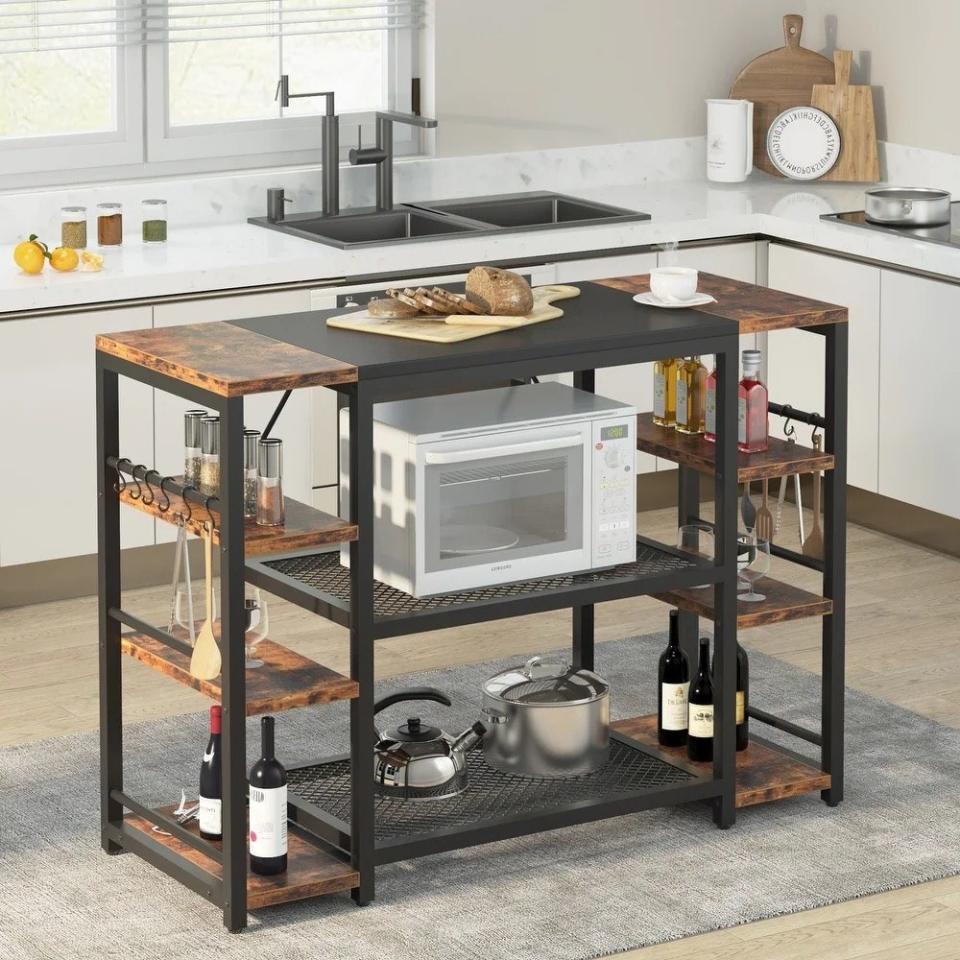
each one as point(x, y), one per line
point(697, 540)
point(257, 623)
point(753, 562)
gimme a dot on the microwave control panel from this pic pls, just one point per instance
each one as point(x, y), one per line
point(615, 492)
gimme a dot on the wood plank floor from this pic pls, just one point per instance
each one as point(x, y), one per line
point(903, 627)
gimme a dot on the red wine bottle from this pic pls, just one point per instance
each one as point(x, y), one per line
point(211, 782)
point(743, 697)
point(268, 808)
point(700, 723)
point(673, 676)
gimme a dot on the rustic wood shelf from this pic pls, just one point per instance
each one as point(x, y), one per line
point(286, 680)
point(781, 459)
point(305, 526)
point(311, 871)
point(784, 602)
point(764, 771)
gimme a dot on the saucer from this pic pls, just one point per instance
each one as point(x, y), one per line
point(697, 300)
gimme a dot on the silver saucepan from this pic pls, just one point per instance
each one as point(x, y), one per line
point(545, 719)
point(907, 206)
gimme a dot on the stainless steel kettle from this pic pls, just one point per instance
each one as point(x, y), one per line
point(416, 761)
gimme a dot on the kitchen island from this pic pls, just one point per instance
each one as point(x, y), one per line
point(342, 830)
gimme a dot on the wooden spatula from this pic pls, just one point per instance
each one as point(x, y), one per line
point(813, 545)
point(205, 662)
point(764, 526)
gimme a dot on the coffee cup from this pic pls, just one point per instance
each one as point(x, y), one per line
point(673, 283)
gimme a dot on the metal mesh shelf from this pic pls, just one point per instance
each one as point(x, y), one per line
point(490, 795)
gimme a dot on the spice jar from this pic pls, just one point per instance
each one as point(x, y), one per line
point(191, 444)
point(73, 227)
point(210, 454)
point(269, 486)
point(109, 224)
point(251, 439)
point(154, 221)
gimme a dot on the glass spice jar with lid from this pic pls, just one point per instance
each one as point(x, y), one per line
point(251, 439)
point(270, 511)
point(109, 224)
point(154, 221)
point(73, 227)
point(191, 443)
point(210, 455)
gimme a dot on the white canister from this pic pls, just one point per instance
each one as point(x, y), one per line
point(729, 140)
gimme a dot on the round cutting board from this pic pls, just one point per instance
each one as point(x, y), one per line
point(778, 80)
point(803, 143)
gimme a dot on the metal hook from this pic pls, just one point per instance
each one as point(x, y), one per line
point(121, 483)
point(133, 475)
point(161, 507)
point(815, 437)
point(789, 430)
point(186, 501)
point(213, 523)
point(153, 496)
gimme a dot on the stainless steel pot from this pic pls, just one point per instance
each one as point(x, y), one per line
point(907, 206)
point(546, 720)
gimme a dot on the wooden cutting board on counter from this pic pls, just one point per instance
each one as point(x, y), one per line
point(453, 329)
point(852, 110)
point(778, 80)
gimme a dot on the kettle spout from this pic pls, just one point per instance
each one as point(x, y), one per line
point(469, 738)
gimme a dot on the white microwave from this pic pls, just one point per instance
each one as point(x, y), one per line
point(516, 483)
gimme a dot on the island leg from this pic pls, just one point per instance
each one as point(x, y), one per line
point(688, 511)
point(583, 619)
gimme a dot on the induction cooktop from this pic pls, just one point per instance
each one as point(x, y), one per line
point(947, 234)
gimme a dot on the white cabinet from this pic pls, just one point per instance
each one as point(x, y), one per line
point(919, 348)
point(795, 372)
point(296, 423)
point(48, 477)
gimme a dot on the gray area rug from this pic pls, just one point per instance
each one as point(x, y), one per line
point(566, 895)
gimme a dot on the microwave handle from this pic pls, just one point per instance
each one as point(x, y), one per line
point(487, 453)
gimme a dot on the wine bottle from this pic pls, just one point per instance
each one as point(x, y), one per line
point(268, 808)
point(211, 783)
point(673, 675)
point(700, 723)
point(743, 697)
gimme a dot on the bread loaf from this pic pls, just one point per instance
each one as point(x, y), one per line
point(390, 308)
point(499, 292)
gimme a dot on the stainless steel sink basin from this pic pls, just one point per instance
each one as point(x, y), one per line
point(476, 216)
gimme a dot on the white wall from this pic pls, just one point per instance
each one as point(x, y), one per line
point(533, 74)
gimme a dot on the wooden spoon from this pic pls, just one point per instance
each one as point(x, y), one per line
point(813, 545)
point(205, 662)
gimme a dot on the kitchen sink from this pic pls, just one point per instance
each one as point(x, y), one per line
point(475, 216)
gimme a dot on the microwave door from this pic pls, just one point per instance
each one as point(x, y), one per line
point(501, 508)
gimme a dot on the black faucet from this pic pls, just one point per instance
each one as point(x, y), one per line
point(382, 153)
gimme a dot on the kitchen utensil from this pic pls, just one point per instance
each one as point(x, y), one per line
point(729, 140)
point(852, 110)
point(813, 545)
point(205, 662)
point(673, 283)
point(748, 512)
point(907, 206)
point(182, 592)
point(546, 720)
point(752, 564)
point(416, 761)
point(764, 525)
point(697, 300)
point(453, 329)
point(777, 80)
point(803, 143)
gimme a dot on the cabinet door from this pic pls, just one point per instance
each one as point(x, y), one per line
point(295, 426)
point(795, 359)
point(48, 398)
point(919, 347)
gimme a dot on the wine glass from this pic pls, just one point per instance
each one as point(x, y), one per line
point(697, 540)
point(753, 562)
point(257, 623)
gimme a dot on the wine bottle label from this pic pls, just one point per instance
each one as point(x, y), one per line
point(742, 420)
point(209, 815)
point(711, 412)
point(682, 393)
point(659, 395)
point(701, 720)
point(741, 706)
point(673, 696)
point(268, 822)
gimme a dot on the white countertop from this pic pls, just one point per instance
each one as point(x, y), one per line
point(226, 257)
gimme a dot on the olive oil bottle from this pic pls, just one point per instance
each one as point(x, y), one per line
point(665, 393)
point(691, 396)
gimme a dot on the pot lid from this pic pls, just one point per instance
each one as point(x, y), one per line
point(538, 682)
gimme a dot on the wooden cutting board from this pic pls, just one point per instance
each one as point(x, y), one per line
point(777, 80)
point(852, 111)
point(456, 328)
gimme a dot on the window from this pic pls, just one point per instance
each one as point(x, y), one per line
point(170, 82)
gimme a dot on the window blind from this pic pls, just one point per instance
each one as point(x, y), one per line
point(38, 25)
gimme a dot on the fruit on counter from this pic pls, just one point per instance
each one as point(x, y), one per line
point(30, 255)
point(499, 292)
point(64, 259)
point(91, 262)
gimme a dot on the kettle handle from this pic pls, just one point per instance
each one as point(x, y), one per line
point(413, 693)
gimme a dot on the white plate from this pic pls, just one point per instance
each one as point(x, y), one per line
point(803, 143)
point(697, 300)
